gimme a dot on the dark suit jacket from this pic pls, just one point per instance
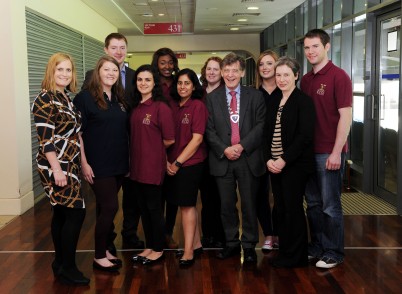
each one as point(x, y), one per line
point(297, 129)
point(251, 125)
point(129, 87)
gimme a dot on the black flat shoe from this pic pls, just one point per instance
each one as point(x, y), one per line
point(138, 258)
point(148, 261)
point(72, 277)
point(111, 269)
point(116, 261)
point(196, 252)
point(186, 262)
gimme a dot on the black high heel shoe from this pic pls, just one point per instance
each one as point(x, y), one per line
point(196, 252)
point(186, 262)
point(72, 277)
point(148, 261)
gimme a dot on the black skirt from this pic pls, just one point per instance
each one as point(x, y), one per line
point(182, 188)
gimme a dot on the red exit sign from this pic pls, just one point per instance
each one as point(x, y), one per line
point(162, 28)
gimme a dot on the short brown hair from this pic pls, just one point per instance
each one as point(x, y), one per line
point(318, 33)
point(233, 58)
point(292, 63)
point(116, 36)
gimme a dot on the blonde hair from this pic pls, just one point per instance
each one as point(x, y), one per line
point(258, 79)
point(48, 82)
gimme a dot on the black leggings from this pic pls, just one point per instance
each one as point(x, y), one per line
point(107, 204)
point(66, 226)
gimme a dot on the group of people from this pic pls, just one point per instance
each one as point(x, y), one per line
point(163, 136)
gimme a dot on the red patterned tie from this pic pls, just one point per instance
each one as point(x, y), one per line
point(234, 119)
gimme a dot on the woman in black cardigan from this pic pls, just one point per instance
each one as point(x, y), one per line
point(291, 119)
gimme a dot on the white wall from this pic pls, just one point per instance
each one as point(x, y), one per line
point(16, 194)
point(229, 42)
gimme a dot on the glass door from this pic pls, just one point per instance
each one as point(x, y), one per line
point(386, 107)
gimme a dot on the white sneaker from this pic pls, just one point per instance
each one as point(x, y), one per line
point(267, 246)
point(327, 262)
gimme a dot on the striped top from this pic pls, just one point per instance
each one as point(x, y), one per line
point(276, 144)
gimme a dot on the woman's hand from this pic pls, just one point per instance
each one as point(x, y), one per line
point(172, 169)
point(275, 166)
point(59, 178)
point(87, 173)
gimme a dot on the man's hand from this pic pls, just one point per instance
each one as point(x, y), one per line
point(333, 161)
point(233, 152)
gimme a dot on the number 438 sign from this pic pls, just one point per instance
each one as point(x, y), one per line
point(159, 28)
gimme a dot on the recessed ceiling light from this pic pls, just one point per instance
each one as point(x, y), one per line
point(212, 8)
point(253, 8)
point(234, 29)
point(161, 14)
point(213, 53)
point(148, 15)
point(242, 19)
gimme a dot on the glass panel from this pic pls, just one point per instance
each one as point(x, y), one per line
point(356, 132)
point(305, 17)
point(320, 13)
point(359, 6)
point(358, 58)
point(299, 21)
point(358, 53)
point(337, 10)
point(336, 45)
point(290, 26)
point(388, 104)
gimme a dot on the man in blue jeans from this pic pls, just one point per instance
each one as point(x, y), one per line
point(331, 90)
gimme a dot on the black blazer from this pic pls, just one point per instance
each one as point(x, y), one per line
point(297, 129)
point(251, 125)
point(129, 86)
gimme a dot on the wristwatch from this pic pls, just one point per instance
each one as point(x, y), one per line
point(178, 164)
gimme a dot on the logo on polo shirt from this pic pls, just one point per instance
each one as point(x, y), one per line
point(147, 119)
point(321, 91)
point(185, 119)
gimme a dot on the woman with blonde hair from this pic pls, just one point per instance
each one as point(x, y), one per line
point(265, 82)
point(58, 125)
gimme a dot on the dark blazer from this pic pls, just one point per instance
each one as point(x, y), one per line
point(297, 129)
point(251, 125)
point(129, 86)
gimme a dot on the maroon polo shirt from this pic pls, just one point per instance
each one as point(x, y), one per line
point(189, 119)
point(330, 89)
point(151, 122)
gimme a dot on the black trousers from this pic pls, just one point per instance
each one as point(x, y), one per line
point(211, 222)
point(105, 190)
point(150, 200)
point(288, 188)
point(266, 218)
point(169, 209)
point(239, 175)
point(65, 228)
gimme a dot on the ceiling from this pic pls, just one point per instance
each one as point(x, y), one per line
point(197, 16)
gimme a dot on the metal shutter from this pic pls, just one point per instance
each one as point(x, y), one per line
point(45, 38)
point(93, 49)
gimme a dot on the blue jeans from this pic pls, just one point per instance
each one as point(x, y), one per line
point(324, 210)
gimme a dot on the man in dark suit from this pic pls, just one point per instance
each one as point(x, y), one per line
point(234, 133)
point(116, 47)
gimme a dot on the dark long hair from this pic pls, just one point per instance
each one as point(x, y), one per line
point(162, 52)
point(198, 91)
point(157, 94)
point(95, 85)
